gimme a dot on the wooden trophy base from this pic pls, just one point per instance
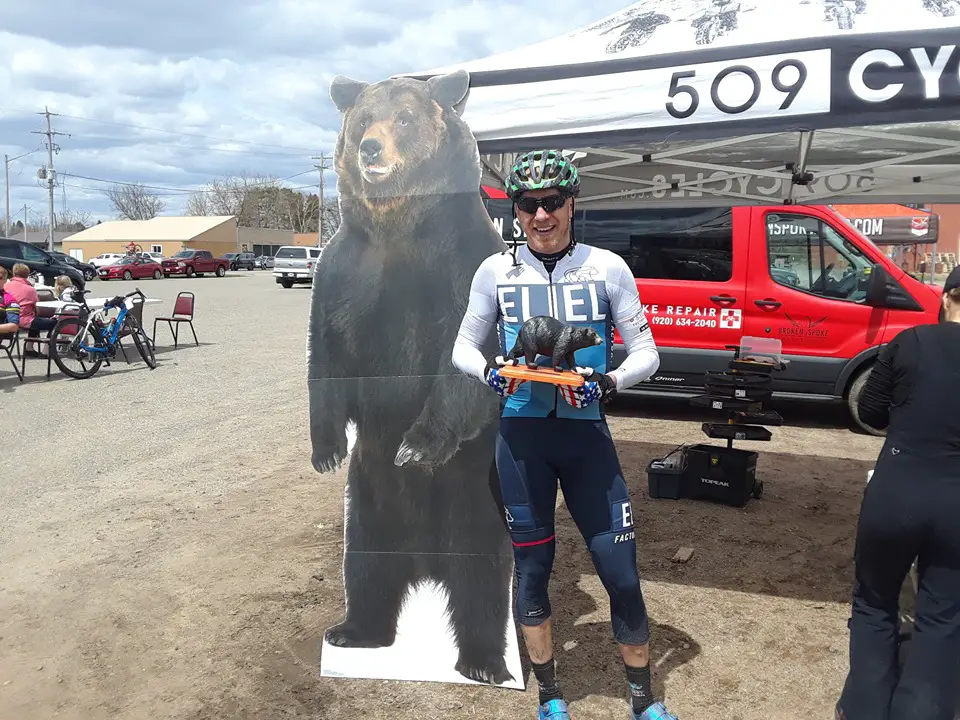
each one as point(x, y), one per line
point(545, 374)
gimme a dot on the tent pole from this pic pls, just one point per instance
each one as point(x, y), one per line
point(800, 168)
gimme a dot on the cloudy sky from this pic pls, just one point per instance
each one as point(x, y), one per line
point(174, 94)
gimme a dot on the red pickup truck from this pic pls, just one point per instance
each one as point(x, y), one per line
point(195, 262)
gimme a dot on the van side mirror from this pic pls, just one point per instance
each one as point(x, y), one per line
point(877, 286)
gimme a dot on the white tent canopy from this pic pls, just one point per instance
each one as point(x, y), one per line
point(717, 102)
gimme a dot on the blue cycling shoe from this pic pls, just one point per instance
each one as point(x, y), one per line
point(554, 710)
point(657, 711)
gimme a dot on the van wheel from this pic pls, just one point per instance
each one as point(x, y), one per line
point(853, 397)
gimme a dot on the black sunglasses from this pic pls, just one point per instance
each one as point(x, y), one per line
point(550, 203)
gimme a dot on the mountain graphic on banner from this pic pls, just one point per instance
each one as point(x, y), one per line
point(691, 23)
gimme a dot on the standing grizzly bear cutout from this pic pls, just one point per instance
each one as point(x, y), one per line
point(422, 498)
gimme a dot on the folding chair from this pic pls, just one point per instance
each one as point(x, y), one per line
point(137, 312)
point(8, 343)
point(182, 313)
point(38, 341)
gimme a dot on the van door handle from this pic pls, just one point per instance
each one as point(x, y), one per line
point(768, 303)
point(723, 299)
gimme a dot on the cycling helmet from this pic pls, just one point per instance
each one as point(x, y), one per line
point(543, 170)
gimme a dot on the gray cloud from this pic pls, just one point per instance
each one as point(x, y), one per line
point(220, 89)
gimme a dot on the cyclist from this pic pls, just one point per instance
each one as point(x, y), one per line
point(548, 433)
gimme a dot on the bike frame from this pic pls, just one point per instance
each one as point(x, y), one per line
point(111, 337)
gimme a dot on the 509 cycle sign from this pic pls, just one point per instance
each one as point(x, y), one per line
point(748, 88)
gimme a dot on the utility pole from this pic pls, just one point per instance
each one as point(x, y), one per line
point(6, 177)
point(49, 173)
point(321, 166)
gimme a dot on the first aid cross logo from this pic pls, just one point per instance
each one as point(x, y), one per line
point(730, 319)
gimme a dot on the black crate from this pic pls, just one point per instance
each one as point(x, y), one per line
point(666, 482)
point(721, 474)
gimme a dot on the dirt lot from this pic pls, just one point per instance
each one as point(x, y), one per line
point(168, 552)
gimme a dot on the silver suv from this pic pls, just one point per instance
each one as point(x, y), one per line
point(295, 264)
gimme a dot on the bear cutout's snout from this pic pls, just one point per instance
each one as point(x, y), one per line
point(370, 150)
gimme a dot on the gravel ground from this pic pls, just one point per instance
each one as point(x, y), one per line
point(168, 552)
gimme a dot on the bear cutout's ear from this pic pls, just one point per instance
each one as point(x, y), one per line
point(344, 91)
point(450, 90)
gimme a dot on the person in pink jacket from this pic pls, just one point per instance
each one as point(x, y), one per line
point(26, 296)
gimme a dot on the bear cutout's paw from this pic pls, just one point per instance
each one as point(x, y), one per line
point(488, 669)
point(329, 452)
point(425, 447)
point(328, 460)
point(348, 635)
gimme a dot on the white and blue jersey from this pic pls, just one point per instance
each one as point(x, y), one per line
point(589, 287)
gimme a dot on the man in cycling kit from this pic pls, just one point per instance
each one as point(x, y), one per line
point(549, 433)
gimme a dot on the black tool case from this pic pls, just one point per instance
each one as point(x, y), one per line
point(717, 473)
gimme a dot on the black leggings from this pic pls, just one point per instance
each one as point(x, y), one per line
point(532, 455)
point(911, 509)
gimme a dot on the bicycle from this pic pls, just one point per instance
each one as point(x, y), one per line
point(103, 336)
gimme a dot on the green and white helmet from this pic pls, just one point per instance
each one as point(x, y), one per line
point(543, 170)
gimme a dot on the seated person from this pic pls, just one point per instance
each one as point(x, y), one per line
point(26, 296)
point(63, 288)
point(9, 309)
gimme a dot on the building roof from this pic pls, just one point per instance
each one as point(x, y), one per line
point(164, 227)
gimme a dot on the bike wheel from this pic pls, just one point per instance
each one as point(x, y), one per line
point(65, 337)
point(140, 339)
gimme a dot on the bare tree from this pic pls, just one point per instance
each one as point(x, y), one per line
point(135, 202)
point(257, 201)
point(331, 219)
point(73, 220)
point(199, 204)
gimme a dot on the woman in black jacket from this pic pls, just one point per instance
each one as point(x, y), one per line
point(910, 510)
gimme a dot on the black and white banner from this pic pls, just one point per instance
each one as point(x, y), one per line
point(691, 69)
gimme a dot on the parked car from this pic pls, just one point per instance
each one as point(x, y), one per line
point(195, 262)
point(265, 261)
point(800, 274)
point(104, 259)
point(132, 268)
point(295, 264)
point(89, 270)
point(243, 261)
point(45, 265)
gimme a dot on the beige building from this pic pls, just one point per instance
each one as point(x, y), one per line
point(165, 234)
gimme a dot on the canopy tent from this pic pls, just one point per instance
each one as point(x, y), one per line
point(717, 102)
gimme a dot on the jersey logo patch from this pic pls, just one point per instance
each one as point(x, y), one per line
point(621, 515)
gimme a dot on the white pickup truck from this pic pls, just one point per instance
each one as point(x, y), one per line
point(295, 264)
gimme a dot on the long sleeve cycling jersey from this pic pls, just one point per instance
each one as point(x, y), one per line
point(589, 287)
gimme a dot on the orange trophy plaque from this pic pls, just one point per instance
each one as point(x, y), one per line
point(543, 374)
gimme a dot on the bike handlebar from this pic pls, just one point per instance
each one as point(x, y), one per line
point(119, 299)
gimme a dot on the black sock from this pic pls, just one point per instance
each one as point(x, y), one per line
point(547, 680)
point(641, 694)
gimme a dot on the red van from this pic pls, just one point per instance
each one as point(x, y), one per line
point(798, 273)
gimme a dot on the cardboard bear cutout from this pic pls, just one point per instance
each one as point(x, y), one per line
point(427, 565)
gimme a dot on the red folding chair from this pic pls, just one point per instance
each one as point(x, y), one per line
point(10, 343)
point(182, 313)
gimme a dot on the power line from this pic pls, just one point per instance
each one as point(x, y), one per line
point(183, 191)
point(186, 134)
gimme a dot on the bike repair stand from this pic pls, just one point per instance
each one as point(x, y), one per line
point(726, 474)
